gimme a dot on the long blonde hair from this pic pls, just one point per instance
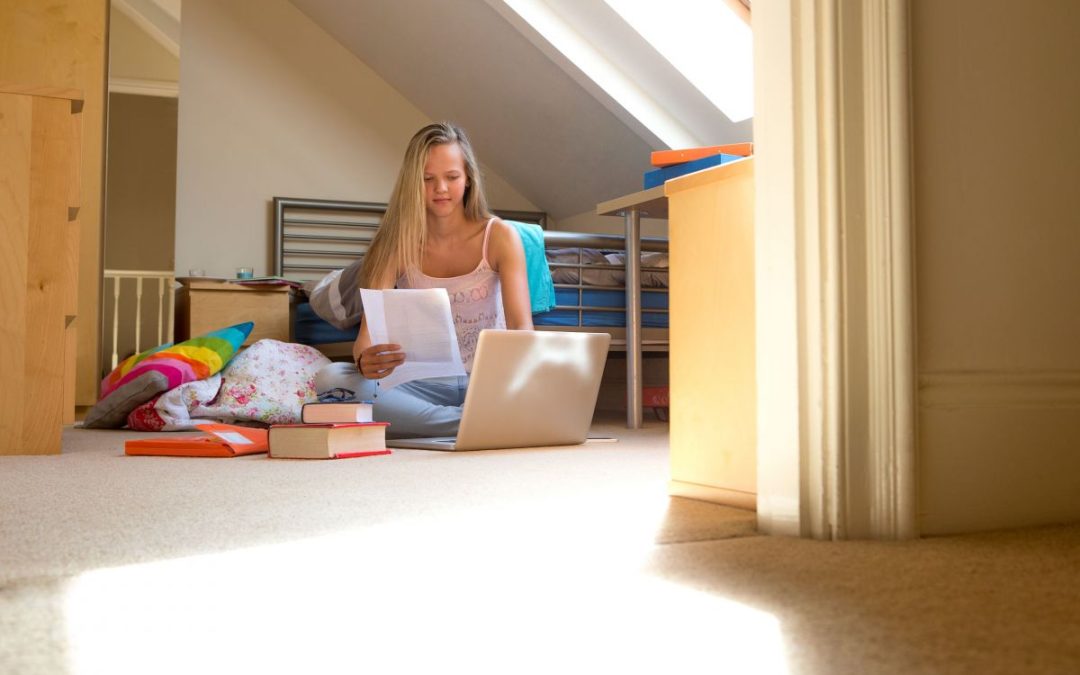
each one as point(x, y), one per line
point(399, 242)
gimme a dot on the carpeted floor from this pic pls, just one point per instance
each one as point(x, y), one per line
point(544, 560)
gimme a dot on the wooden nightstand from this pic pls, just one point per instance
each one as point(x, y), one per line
point(204, 305)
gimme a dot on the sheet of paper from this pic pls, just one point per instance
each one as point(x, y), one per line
point(420, 321)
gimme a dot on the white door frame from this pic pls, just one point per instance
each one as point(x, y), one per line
point(833, 259)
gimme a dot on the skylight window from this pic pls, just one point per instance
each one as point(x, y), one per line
point(600, 70)
point(705, 41)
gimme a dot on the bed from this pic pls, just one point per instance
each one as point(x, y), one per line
point(316, 237)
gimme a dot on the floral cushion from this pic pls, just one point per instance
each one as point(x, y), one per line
point(268, 383)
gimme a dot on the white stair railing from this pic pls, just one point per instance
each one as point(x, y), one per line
point(165, 282)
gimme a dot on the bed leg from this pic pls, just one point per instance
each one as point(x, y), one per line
point(632, 219)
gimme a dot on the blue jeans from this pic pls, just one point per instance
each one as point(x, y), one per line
point(429, 407)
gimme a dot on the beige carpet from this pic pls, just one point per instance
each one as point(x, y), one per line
point(548, 560)
point(1004, 602)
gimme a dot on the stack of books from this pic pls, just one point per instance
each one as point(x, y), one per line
point(330, 431)
point(674, 163)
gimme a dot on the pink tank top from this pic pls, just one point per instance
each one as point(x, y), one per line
point(475, 300)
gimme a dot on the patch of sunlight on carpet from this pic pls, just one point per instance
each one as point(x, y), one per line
point(533, 588)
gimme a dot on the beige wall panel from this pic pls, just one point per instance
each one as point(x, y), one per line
point(996, 104)
point(1019, 467)
point(273, 106)
point(997, 214)
point(140, 218)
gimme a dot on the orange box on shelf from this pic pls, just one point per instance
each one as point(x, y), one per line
point(663, 158)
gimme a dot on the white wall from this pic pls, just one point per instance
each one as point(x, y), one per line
point(590, 222)
point(273, 106)
point(997, 209)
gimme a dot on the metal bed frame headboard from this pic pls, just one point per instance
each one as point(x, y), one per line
point(310, 235)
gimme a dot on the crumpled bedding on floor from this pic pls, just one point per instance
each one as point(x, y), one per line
point(268, 383)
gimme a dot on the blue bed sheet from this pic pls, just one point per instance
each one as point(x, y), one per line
point(614, 298)
point(309, 329)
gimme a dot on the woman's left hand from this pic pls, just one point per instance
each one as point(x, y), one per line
point(378, 361)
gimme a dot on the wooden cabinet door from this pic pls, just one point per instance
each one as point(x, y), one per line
point(40, 145)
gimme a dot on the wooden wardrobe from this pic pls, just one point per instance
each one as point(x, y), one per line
point(40, 143)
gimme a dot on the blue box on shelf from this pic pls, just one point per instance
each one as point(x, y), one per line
point(659, 176)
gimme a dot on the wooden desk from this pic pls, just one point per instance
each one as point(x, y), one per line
point(652, 203)
point(204, 305)
point(713, 367)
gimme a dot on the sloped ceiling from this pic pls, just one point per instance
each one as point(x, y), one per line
point(159, 18)
point(530, 122)
point(136, 54)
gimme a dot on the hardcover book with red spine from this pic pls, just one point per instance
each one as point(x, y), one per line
point(328, 441)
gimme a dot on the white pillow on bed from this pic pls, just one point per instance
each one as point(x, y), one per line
point(649, 278)
point(336, 297)
point(605, 277)
point(588, 256)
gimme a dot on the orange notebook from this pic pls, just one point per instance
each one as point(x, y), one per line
point(670, 157)
point(223, 440)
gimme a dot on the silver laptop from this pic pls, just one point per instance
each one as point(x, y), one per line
point(527, 389)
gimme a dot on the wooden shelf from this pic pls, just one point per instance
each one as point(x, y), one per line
point(650, 203)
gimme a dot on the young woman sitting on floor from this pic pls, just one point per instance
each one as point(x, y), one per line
point(437, 233)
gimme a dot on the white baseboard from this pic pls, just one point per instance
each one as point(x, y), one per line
point(998, 450)
point(717, 495)
point(1000, 389)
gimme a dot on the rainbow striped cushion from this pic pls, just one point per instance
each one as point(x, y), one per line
point(188, 361)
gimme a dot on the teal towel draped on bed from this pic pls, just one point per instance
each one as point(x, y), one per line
point(541, 288)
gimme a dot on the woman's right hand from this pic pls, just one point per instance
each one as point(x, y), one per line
point(378, 361)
